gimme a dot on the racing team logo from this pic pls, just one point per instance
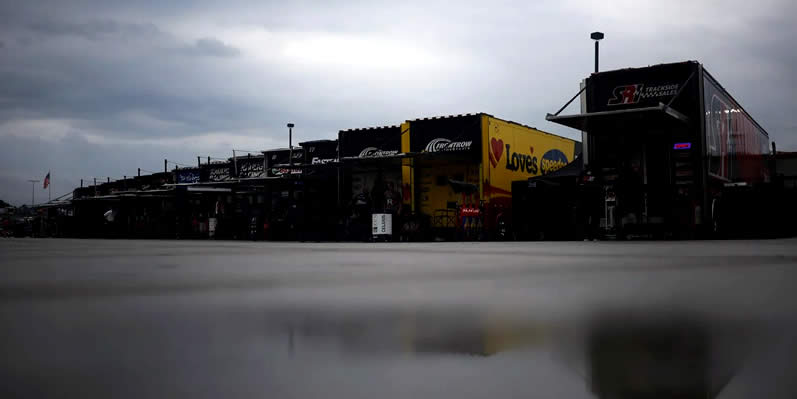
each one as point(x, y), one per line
point(626, 94)
point(373, 152)
point(444, 144)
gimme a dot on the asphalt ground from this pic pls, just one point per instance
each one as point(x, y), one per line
point(209, 319)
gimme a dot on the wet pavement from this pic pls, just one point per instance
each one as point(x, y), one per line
point(132, 319)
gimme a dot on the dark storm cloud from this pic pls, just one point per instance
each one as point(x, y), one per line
point(34, 97)
point(93, 29)
point(756, 65)
point(100, 86)
point(211, 47)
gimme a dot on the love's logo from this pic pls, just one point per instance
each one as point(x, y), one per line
point(496, 151)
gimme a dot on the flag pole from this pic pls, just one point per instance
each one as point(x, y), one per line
point(33, 192)
point(49, 187)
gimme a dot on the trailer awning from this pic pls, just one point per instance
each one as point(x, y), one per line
point(198, 189)
point(573, 169)
point(399, 155)
point(636, 118)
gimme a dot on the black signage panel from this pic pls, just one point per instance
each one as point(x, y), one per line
point(155, 180)
point(378, 142)
point(320, 152)
point(250, 167)
point(83, 192)
point(644, 87)
point(188, 175)
point(278, 161)
point(217, 172)
point(452, 135)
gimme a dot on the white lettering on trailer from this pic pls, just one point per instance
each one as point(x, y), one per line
point(443, 145)
point(373, 152)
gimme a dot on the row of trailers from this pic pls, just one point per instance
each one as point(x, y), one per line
point(436, 178)
point(667, 152)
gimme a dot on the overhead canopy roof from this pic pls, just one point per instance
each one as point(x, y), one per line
point(375, 159)
point(573, 169)
point(660, 116)
point(201, 189)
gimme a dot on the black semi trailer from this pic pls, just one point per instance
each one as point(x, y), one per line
point(668, 147)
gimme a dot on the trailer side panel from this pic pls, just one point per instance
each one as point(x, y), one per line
point(517, 152)
point(736, 146)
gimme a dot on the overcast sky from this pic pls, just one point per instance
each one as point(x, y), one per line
point(101, 88)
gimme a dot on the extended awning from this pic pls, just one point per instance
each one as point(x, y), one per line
point(660, 116)
point(572, 169)
point(199, 189)
point(377, 162)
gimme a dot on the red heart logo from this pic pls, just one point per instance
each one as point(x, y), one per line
point(498, 148)
point(531, 150)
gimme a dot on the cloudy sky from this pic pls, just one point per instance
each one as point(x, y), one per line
point(101, 88)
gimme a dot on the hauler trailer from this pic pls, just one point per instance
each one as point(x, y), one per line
point(370, 179)
point(461, 168)
point(281, 217)
point(669, 146)
point(320, 175)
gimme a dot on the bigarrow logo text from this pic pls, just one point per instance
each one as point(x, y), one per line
point(442, 145)
point(373, 152)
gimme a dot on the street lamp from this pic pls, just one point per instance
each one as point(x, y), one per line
point(290, 146)
point(33, 191)
point(596, 36)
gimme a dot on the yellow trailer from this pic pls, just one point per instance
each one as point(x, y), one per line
point(516, 152)
point(477, 151)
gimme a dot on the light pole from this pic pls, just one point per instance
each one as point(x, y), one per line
point(290, 146)
point(596, 36)
point(33, 191)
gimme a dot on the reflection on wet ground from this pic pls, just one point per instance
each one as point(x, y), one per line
point(288, 323)
point(658, 354)
point(661, 357)
point(413, 331)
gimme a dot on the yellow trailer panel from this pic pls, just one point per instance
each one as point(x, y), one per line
point(515, 152)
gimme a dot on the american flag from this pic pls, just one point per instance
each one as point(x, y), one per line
point(47, 180)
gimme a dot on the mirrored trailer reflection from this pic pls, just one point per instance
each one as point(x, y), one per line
point(613, 354)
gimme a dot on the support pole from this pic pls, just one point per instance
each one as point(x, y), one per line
point(596, 36)
point(290, 148)
point(596, 56)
